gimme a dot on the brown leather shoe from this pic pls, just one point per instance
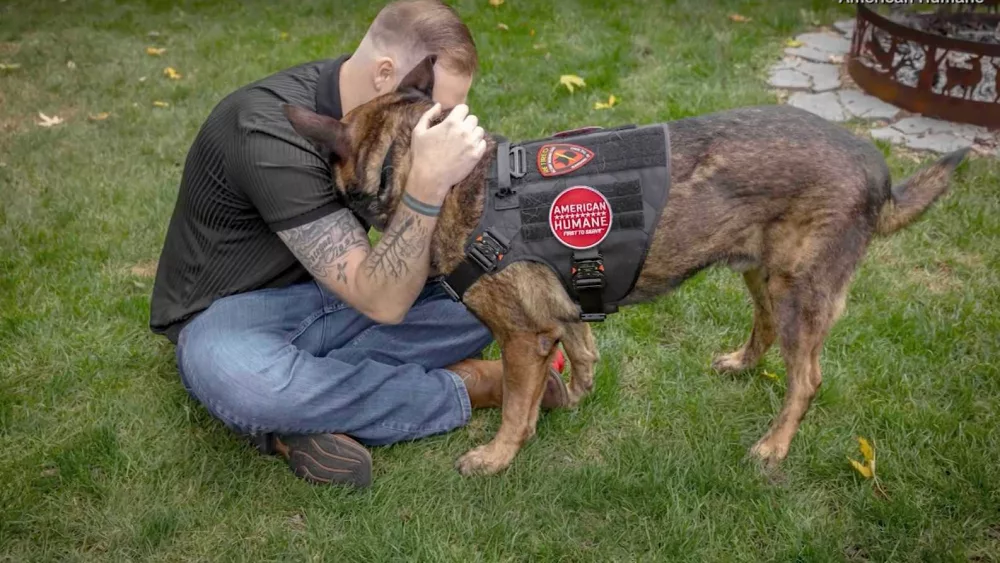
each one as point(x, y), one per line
point(484, 382)
point(328, 459)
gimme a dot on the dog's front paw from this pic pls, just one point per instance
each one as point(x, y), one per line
point(731, 363)
point(484, 460)
point(770, 451)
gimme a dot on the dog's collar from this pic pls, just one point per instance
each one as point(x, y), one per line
point(362, 206)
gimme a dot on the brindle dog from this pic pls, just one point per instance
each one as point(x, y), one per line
point(779, 194)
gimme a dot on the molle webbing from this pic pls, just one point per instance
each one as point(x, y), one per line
point(628, 166)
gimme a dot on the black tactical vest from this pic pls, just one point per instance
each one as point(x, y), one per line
point(540, 206)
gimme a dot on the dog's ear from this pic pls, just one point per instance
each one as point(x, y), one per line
point(421, 77)
point(325, 132)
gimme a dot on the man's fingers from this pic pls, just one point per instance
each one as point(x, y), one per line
point(458, 113)
point(426, 118)
point(478, 133)
point(480, 149)
point(471, 122)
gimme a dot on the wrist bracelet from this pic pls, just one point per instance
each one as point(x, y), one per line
point(421, 207)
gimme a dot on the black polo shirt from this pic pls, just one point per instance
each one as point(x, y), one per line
point(247, 176)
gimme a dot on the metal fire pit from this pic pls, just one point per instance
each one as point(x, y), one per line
point(944, 64)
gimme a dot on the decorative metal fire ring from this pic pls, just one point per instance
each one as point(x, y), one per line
point(907, 64)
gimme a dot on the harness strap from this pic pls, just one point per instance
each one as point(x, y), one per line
point(587, 274)
point(482, 257)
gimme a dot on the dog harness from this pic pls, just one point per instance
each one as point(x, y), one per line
point(585, 203)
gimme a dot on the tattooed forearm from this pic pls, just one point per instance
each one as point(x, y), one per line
point(404, 242)
point(320, 244)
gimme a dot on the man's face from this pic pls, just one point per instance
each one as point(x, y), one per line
point(450, 88)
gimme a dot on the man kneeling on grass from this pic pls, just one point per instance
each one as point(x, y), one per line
point(290, 327)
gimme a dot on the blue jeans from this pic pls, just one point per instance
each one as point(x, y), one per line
point(298, 360)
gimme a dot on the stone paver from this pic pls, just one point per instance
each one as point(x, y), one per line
point(889, 134)
point(824, 76)
point(866, 106)
point(809, 54)
point(846, 27)
point(937, 142)
point(824, 104)
point(926, 125)
point(789, 78)
point(832, 43)
point(814, 68)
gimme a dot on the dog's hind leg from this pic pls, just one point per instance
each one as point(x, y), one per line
point(805, 311)
point(526, 357)
point(581, 349)
point(762, 335)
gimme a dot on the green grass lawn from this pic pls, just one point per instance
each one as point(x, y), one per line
point(103, 456)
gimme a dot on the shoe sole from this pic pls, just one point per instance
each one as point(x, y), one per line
point(327, 459)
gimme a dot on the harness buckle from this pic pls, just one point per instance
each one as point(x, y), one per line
point(488, 249)
point(589, 282)
point(518, 161)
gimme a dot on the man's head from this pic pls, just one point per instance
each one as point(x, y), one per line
point(402, 35)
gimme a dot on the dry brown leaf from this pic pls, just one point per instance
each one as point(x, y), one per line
point(145, 269)
point(99, 116)
point(172, 74)
point(49, 121)
point(155, 52)
point(739, 18)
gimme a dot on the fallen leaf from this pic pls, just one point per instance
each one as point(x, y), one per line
point(866, 450)
point(606, 105)
point(739, 18)
point(502, 26)
point(861, 468)
point(160, 104)
point(172, 74)
point(770, 376)
point(9, 66)
point(99, 116)
point(155, 52)
point(142, 79)
point(71, 65)
point(793, 43)
point(571, 81)
point(145, 269)
point(283, 36)
point(49, 121)
point(496, 3)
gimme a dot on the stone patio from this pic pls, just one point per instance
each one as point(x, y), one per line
point(815, 78)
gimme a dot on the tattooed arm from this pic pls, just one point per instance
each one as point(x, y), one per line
point(384, 281)
point(380, 282)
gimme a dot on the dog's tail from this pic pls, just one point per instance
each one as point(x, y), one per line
point(915, 194)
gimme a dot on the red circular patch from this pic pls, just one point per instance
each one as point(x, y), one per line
point(580, 217)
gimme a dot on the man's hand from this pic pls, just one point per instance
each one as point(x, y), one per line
point(443, 155)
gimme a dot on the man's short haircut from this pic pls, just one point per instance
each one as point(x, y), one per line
point(429, 27)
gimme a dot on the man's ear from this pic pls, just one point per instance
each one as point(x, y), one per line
point(325, 132)
point(421, 77)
